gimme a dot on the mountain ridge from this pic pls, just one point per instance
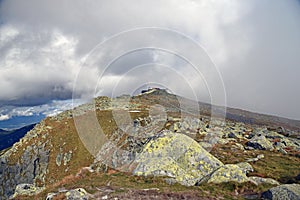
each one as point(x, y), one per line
point(53, 155)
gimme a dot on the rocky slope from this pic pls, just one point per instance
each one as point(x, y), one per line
point(162, 144)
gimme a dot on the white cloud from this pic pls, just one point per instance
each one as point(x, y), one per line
point(254, 43)
point(50, 109)
point(4, 117)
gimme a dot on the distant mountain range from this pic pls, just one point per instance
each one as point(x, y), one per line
point(8, 138)
point(16, 122)
point(2, 131)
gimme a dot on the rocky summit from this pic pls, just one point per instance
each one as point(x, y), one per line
point(154, 145)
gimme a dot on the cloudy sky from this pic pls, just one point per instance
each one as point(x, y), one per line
point(253, 45)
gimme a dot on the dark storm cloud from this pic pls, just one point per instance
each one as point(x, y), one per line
point(255, 45)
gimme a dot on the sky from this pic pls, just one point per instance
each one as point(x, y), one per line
point(248, 51)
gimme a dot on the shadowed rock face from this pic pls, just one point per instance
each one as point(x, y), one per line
point(32, 166)
point(29, 168)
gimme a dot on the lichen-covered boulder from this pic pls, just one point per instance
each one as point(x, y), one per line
point(78, 194)
point(26, 189)
point(228, 173)
point(260, 142)
point(283, 192)
point(246, 167)
point(178, 156)
point(259, 180)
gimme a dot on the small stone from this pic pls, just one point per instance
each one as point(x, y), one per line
point(105, 197)
point(232, 135)
point(67, 157)
point(260, 156)
point(252, 160)
point(78, 194)
point(50, 196)
point(59, 159)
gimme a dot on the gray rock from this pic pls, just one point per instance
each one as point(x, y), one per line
point(31, 166)
point(50, 196)
point(246, 167)
point(26, 189)
point(260, 156)
point(77, 194)
point(260, 142)
point(206, 145)
point(273, 135)
point(59, 159)
point(228, 173)
point(67, 157)
point(259, 180)
point(283, 192)
point(232, 135)
point(177, 156)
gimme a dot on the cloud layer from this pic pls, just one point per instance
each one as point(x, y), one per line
point(255, 45)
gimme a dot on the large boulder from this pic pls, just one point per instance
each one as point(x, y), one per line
point(178, 156)
point(283, 192)
point(260, 142)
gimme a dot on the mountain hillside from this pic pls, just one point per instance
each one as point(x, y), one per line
point(153, 145)
point(2, 131)
point(8, 138)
